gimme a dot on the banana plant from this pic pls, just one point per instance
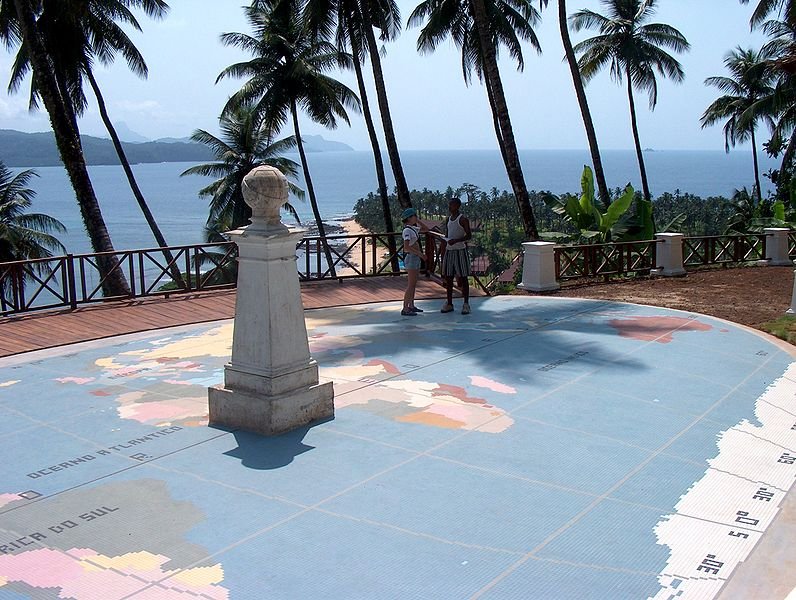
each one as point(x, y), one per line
point(595, 221)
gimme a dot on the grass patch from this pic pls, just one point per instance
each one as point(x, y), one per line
point(784, 328)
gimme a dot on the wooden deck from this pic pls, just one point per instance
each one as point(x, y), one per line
point(36, 331)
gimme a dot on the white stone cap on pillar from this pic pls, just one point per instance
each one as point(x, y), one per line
point(539, 247)
point(669, 237)
point(776, 229)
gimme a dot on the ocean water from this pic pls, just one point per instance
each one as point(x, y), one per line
point(340, 178)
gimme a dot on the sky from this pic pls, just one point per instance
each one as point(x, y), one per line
point(432, 108)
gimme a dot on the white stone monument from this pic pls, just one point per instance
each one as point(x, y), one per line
point(271, 383)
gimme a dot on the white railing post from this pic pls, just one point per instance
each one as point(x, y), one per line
point(792, 309)
point(670, 254)
point(539, 267)
point(777, 247)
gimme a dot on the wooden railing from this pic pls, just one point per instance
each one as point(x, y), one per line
point(723, 249)
point(605, 260)
point(362, 255)
point(76, 279)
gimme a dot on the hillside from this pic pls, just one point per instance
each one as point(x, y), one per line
point(18, 149)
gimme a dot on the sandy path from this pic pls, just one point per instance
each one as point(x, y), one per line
point(351, 228)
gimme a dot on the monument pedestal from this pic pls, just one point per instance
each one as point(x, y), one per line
point(270, 415)
point(271, 382)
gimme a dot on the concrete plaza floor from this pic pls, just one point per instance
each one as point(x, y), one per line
point(537, 448)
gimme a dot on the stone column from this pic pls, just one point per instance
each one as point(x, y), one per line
point(670, 254)
point(792, 309)
point(777, 247)
point(538, 267)
point(271, 382)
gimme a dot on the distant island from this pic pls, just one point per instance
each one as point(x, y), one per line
point(20, 149)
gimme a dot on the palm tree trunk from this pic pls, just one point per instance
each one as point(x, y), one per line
point(757, 167)
point(495, 123)
point(580, 92)
point(644, 186)
point(311, 192)
point(379, 163)
point(512, 159)
point(67, 138)
point(386, 119)
point(786, 168)
point(128, 171)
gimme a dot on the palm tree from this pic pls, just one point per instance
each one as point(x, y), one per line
point(786, 8)
point(748, 82)
point(344, 20)
point(478, 28)
point(580, 93)
point(288, 72)
point(355, 21)
point(245, 143)
point(78, 33)
point(634, 50)
point(780, 104)
point(385, 16)
point(18, 26)
point(23, 235)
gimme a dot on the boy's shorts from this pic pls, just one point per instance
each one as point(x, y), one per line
point(456, 263)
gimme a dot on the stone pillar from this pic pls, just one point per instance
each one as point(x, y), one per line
point(538, 267)
point(792, 309)
point(670, 254)
point(271, 382)
point(777, 247)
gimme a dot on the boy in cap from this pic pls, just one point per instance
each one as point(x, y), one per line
point(412, 258)
point(456, 259)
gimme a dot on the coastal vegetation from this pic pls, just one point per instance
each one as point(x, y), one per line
point(24, 235)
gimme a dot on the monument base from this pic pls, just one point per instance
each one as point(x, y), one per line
point(775, 263)
point(532, 287)
point(270, 415)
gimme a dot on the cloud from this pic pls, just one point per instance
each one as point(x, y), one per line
point(151, 107)
point(12, 108)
